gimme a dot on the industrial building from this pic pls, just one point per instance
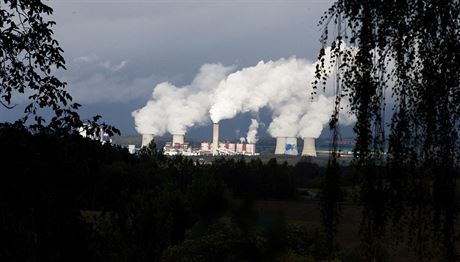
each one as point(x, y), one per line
point(284, 146)
point(100, 136)
point(146, 139)
point(229, 149)
point(288, 146)
point(178, 146)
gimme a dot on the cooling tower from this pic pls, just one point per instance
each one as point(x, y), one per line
point(215, 138)
point(132, 149)
point(280, 145)
point(309, 148)
point(146, 139)
point(291, 146)
point(177, 139)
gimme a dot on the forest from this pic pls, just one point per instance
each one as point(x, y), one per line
point(72, 199)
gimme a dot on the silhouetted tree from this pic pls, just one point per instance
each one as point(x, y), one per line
point(409, 49)
point(29, 58)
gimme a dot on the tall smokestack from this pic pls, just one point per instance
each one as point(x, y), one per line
point(177, 139)
point(309, 148)
point(146, 139)
point(280, 146)
point(215, 138)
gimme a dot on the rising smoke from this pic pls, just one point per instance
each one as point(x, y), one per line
point(284, 86)
point(286, 118)
point(268, 84)
point(175, 109)
point(252, 132)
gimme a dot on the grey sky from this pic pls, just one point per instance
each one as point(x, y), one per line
point(116, 51)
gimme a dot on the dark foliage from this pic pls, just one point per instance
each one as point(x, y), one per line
point(69, 198)
point(409, 49)
point(29, 58)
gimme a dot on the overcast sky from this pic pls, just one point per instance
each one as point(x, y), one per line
point(118, 50)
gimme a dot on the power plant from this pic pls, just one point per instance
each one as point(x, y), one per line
point(309, 148)
point(101, 136)
point(146, 139)
point(178, 139)
point(288, 146)
point(215, 138)
point(280, 146)
point(178, 146)
point(220, 92)
point(291, 146)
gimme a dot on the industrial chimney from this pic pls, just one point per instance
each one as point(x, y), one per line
point(146, 139)
point(309, 147)
point(280, 146)
point(177, 139)
point(215, 138)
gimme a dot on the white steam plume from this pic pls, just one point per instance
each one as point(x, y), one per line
point(175, 109)
point(305, 116)
point(251, 137)
point(286, 117)
point(271, 84)
point(317, 114)
point(284, 86)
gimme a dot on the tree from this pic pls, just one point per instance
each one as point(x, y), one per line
point(409, 49)
point(29, 57)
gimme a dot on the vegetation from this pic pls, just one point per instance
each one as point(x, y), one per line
point(29, 58)
point(71, 198)
point(409, 50)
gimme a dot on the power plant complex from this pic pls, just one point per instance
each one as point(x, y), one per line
point(178, 146)
point(220, 92)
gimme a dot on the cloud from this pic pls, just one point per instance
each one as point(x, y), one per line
point(95, 79)
point(86, 59)
point(113, 67)
point(175, 109)
point(106, 88)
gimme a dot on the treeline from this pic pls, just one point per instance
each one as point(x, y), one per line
point(67, 198)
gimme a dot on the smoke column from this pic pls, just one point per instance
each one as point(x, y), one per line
point(302, 115)
point(252, 133)
point(268, 84)
point(175, 109)
point(284, 86)
point(286, 117)
point(316, 115)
